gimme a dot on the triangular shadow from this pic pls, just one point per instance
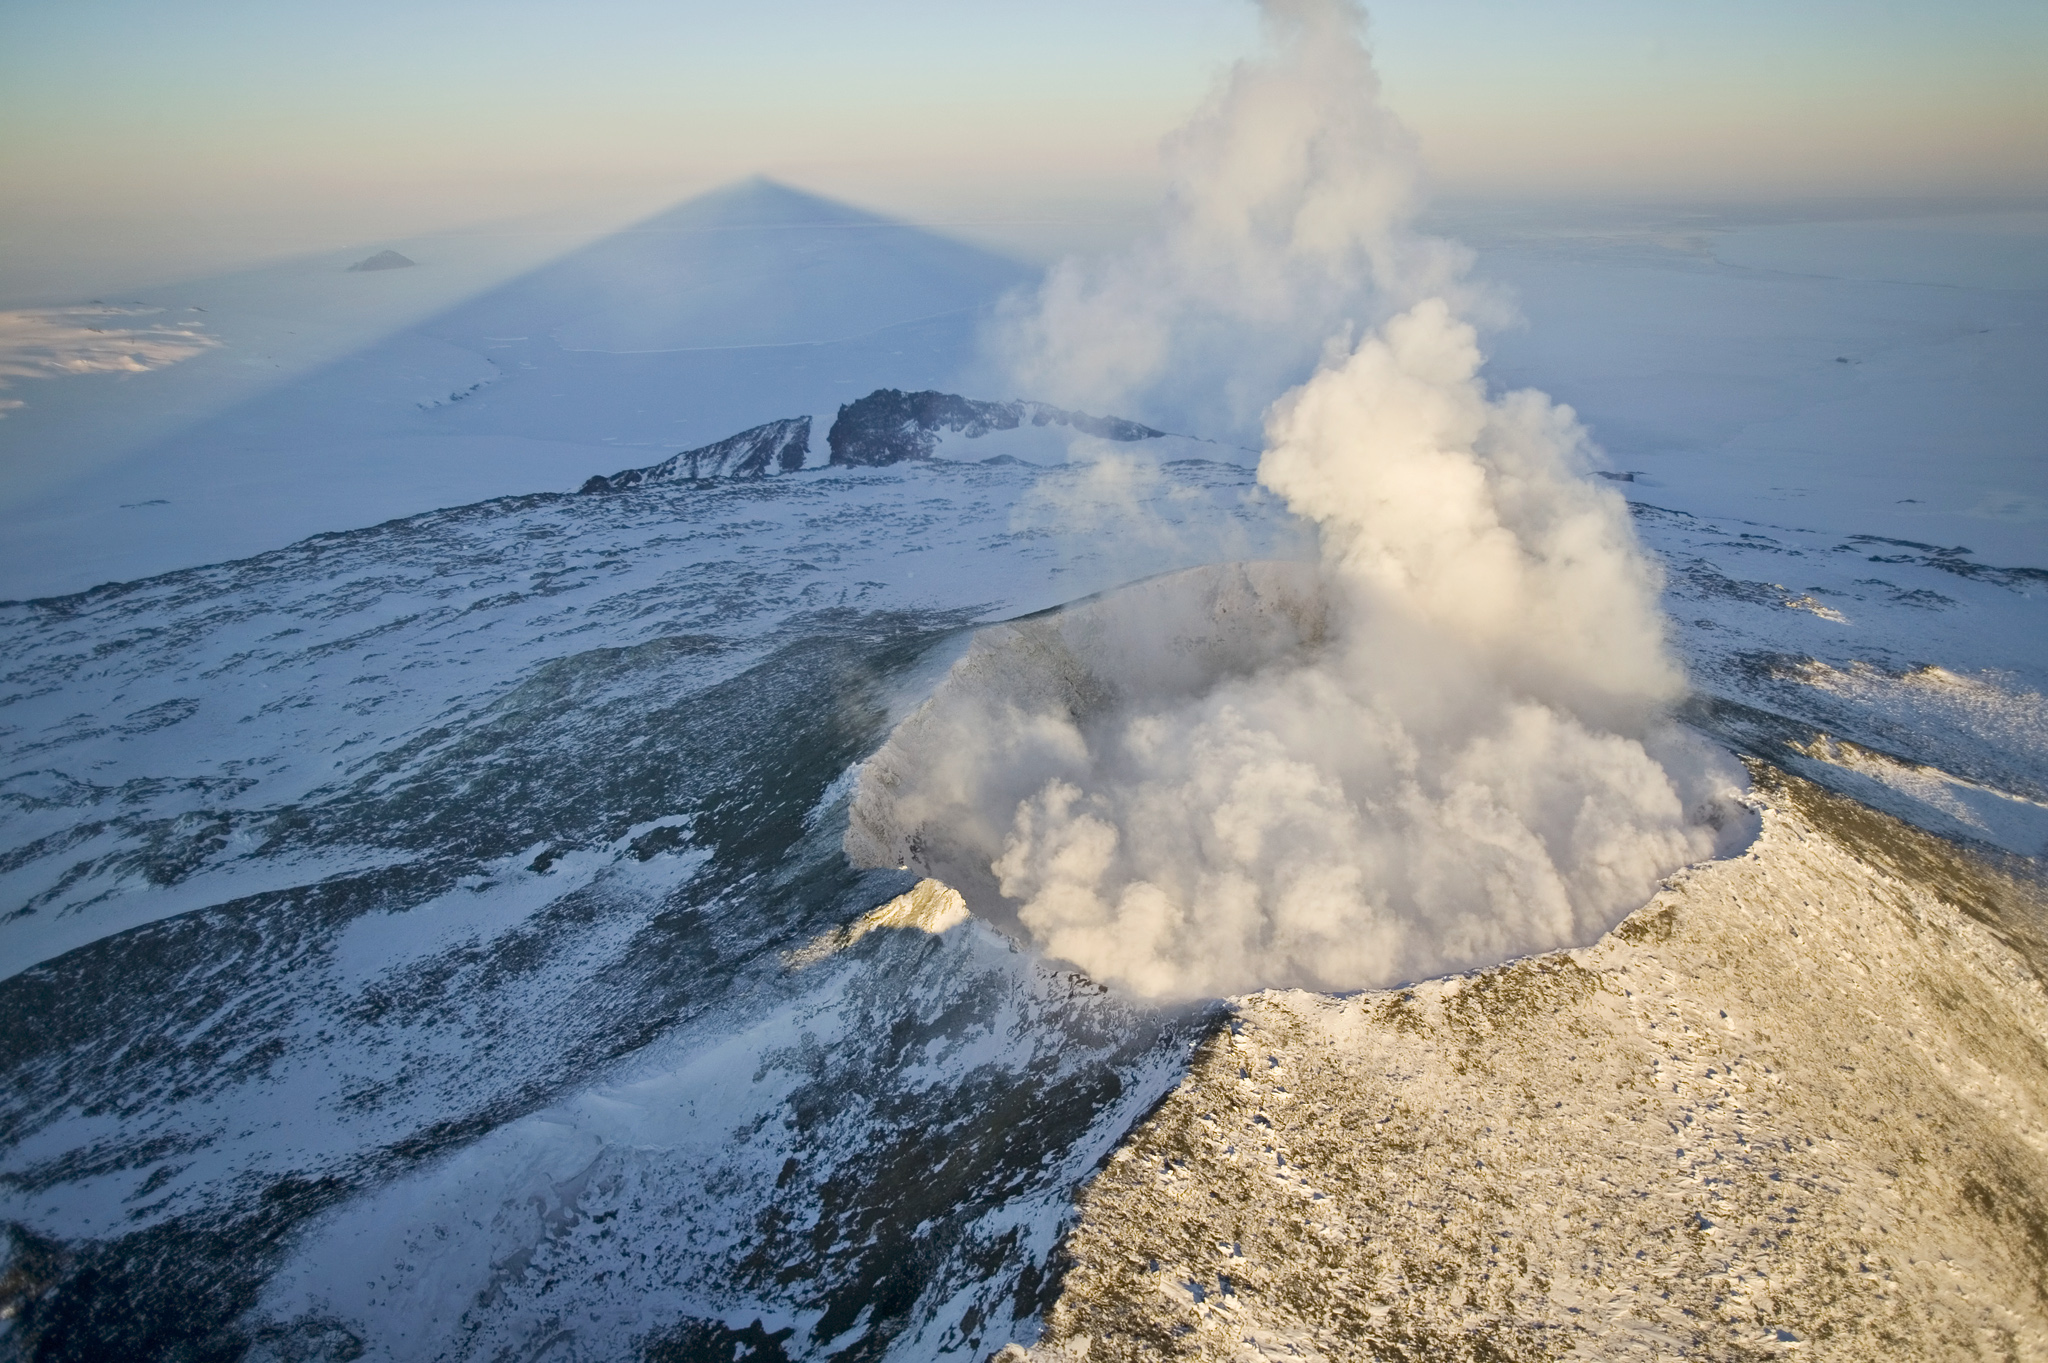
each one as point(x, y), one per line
point(755, 263)
point(746, 304)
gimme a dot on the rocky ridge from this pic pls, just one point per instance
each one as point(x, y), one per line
point(889, 426)
point(772, 447)
point(886, 427)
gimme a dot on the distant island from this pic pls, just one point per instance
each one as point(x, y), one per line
point(383, 260)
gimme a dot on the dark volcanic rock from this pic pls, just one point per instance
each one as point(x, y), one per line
point(888, 425)
point(383, 260)
point(776, 447)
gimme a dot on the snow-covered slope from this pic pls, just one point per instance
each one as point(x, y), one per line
point(1796, 1106)
point(1910, 676)
point(373, 893)
point(870, 1146)
point(363, 892)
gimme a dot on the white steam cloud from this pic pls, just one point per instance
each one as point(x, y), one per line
point(1443, 746)
point(1286, 224)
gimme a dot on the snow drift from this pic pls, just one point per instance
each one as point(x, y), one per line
point(1441, 747)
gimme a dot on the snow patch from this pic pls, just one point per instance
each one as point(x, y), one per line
point(1938, 799)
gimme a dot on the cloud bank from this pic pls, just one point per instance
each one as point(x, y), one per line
point(48, 343)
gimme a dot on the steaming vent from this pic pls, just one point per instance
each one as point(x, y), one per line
point(1446, 745)
point(1172, 786)
point(940, 795)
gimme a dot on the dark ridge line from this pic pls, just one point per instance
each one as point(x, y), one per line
point(889, 426)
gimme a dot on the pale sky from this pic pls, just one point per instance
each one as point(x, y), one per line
point(141, 140)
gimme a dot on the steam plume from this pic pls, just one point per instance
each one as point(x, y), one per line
point(1286, 223)
point(1460, 757)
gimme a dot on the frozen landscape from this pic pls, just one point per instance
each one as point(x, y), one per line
point(682, 795)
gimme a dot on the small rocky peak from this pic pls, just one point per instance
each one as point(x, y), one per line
point(773, 447)
point(383, 260)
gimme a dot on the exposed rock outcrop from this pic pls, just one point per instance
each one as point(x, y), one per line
point(889, 426)
point(771, 448)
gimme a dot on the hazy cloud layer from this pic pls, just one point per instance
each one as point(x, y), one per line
point(47, 343)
